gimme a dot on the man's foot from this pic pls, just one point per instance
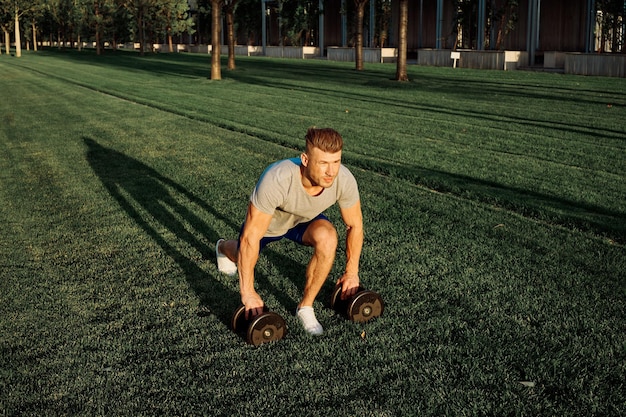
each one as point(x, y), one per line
point(308, 320)
point(224, 264)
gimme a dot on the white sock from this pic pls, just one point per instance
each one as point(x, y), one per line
point(308, 320)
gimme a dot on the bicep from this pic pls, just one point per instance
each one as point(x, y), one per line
point(257, 223)
point(352, 216)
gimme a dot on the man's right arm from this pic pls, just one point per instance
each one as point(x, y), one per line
point(254, 229)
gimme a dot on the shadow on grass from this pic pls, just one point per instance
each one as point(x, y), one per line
point(154, 203)
point(147, 197)
point(290, 73)
point(528, 203)
point(259, 70)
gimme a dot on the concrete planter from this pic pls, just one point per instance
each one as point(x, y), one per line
point(434, 57)
point(606, 65)
point(371, 55)
point(554, 60)
point(296, 52)
point(499, 60)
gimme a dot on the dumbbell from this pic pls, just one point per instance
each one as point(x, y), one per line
point(364, 305)
point(266, 327)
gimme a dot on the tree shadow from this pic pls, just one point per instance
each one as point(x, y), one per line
point(148, 199)
point(289, 73)
point(526, 202)
point(157, 204)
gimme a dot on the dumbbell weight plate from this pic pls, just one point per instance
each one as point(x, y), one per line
point(365, 305)
point(339, 305)
point(267, 327)
point(238, 322)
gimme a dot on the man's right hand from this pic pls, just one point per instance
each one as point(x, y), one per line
point(254, 304)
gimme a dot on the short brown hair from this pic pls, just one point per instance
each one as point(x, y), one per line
point(325, 139)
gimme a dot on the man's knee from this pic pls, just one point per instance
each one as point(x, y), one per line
point(322, 235)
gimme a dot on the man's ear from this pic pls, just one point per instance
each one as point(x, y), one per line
point(304, 158)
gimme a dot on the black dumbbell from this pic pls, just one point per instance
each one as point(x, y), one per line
point(364, 305)
point(265, 327)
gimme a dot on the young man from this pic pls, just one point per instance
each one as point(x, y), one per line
point(288, 202)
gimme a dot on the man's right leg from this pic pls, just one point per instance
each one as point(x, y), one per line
point(322, 236)
point(230, 248)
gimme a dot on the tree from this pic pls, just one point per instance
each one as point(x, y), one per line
point(506, 18)
point(247, 18)
point(5, 22)
point(297, 20)
point(172, 18)
point(35, 15)
point(55, 17)
point(610, 19)
point(216, 30)
point(358, 48)
point(17, 9)
point(141, 10)
point(466, 17)
point(30, 15)
point(66, 15)
point(383, 15)
point(230, 31)
point(99, 13)
point(401, 71)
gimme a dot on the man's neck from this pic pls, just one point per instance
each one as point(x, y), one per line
point(309, 187)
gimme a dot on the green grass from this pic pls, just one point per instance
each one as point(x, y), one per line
point(495, 230)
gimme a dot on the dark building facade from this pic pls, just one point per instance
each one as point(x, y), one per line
point(554, 25)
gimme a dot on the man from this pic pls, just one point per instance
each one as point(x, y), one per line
point(288, 202)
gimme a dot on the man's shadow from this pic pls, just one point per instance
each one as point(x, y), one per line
point(154, 202)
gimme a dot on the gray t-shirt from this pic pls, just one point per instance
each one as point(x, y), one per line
point(279, 192)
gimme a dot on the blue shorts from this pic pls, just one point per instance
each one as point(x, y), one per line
point(294, 234)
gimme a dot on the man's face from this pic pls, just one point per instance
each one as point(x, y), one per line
point(321, 168)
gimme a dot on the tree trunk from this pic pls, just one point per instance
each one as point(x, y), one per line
point(34, 28)
point(7, 41)
point(98, 40)
point(170, 42)
point(401, 74)
point(358, 49)
point(216, 30)
point(18, 40)
point(142, 40)
point(501, 31)
point(615, 32)
point(230, 31)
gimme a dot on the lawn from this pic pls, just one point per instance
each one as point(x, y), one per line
point(495, 217)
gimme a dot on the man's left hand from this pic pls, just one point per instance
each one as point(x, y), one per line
point(349, 285)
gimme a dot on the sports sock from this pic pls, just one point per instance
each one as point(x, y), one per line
point(308, 320)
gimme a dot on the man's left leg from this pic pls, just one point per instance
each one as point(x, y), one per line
point(322, 236)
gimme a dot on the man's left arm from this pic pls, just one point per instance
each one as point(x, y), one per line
point(353, 218)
